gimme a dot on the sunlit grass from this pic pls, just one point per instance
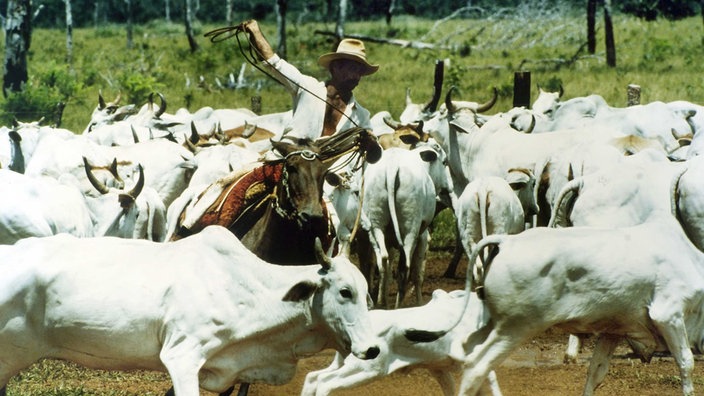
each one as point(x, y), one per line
point(663, 57)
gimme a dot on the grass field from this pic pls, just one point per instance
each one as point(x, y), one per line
point(664, 57)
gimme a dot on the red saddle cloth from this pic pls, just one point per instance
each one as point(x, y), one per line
point(247, 192)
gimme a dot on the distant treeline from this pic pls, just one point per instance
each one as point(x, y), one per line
point(86, 13)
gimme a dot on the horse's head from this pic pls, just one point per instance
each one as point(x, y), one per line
point(299, 197)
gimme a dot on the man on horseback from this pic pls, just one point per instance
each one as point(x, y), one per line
point(319, 108)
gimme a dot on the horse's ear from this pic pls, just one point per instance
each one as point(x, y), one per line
point(333, 179)
point(370, 146)
point(321, 256)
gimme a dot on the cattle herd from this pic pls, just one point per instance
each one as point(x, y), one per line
point(574, 214)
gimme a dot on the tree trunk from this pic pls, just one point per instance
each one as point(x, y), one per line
point(591, 22)
point(189, 26)
point(341, 17)
point(328, 10)
point(167, 10)
point(228, 12)
point(609, 31)
point(69, 33)
point(390, 11)
point(96, 10)
point(128, 3)
point(281, 8)
point(18, 35)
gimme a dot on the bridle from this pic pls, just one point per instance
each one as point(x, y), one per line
point(292, 213)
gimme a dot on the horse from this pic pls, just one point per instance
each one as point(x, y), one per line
point(275, 207)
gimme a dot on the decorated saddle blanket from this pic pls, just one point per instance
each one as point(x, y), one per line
point(242, 193)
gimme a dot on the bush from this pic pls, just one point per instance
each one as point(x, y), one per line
point(44, 96)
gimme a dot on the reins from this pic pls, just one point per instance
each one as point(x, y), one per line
point(329, 144)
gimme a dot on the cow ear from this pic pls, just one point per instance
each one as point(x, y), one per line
point(411, 138)
point(428, 155)
point(517, 179)
point(301, 291)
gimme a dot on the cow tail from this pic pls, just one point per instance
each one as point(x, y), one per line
point(564, 202)
point(391, 187)
point(483, 198)
point(476, 271)
point(473, 274)
point(675, 193)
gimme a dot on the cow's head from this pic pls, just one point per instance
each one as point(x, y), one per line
point(340, 304)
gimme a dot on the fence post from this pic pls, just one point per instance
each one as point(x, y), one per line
point(633, 92)
point(521, 89)
point(256, 104)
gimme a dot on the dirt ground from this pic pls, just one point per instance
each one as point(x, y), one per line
point(535, 368)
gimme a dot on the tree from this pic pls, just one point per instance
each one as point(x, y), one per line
point(128, 3)
point(69, 32)
point(609, 32)
point(281, 8)
point(591, 22)
point(341, 18)
point(18, 34)
point(189, 26)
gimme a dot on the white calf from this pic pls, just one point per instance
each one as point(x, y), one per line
point(442, 357)
point(643, 283)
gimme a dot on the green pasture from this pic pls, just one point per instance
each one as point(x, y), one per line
point(664, 57)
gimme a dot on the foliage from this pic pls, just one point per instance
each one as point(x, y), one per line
point(44, 96)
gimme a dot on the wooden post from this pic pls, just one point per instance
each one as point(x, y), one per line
point(521, 89)
point(633, 92)
point(256, 104)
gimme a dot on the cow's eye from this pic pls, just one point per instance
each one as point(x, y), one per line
point(346, 293)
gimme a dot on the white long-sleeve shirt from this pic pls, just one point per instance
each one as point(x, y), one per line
point(308, 102)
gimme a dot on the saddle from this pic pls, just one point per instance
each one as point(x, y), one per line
point(243, 199)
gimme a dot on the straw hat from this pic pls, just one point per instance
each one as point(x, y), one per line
point(351, 49)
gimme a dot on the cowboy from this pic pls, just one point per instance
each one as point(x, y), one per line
point(319, 108)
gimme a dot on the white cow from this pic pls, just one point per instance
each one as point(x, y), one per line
point(442, 358)
point(192, 308)
point(401, 190)
point(341, 193)
point(495, 148)
point(43, 206)
point(495, 205)
point(625, 193)
point(688, 199)
point(643, 283)
point(168, 166)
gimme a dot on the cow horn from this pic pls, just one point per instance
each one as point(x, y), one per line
point(437, 87)
point(117, 99)
point(560, 92)
point(320, 255)
point(101, 101)
point(113, 171)
point(388, 120)
point(451, 108)
point(532, 124)
point(248, 131)
point(134, 134)
point(488, 105)
point(408, 97)
point(195, 136)
point(102, 188)
point(137, 189)
point(162, 107)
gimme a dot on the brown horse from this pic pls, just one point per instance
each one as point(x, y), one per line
point(276, 207)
